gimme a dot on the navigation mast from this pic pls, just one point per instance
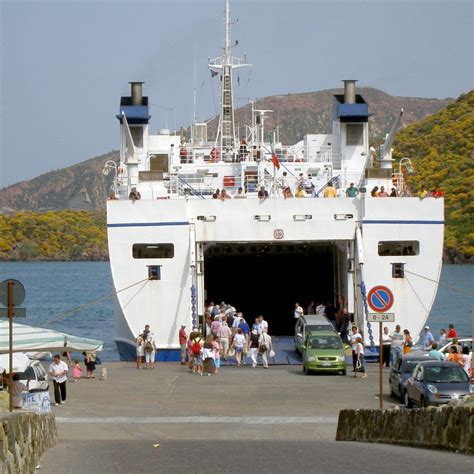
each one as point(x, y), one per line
point(225, 137)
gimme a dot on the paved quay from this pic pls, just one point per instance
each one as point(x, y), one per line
point(274, 420)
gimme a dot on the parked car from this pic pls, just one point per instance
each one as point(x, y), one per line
point(462, 341)
point(28, 370)
point(445, 344)
point(324, 352)
point(436, 383)
point(309, 324)
point(403, 368)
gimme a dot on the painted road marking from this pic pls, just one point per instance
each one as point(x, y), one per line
point(244, 420)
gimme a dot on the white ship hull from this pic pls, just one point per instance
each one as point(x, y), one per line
point(167, 303)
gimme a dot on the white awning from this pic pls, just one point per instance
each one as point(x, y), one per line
point(29, 338)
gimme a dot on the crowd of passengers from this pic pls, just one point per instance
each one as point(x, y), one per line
point(304, 187)
point(227, 335)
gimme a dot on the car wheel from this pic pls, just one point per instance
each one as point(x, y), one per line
point(305, 370)
point(423, 402)
point(343, 372)
point(408, 402)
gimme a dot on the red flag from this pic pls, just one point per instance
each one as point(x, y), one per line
point(276, 163)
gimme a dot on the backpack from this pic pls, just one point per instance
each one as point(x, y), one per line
point(148, 346)
point(196, 347)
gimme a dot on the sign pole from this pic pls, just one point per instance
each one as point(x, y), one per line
point(380, 366)
point(10, 344)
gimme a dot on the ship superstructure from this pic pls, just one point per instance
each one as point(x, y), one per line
point(178, 247)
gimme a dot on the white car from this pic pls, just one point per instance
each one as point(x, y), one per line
point(462, 341)
point(28, 370)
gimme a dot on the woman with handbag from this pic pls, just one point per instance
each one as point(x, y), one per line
point(360, 364)
point(253, 347)
point(264, 347)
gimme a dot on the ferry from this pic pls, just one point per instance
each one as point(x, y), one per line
point(257, 245)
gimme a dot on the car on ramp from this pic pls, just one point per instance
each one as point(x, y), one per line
point(324, 352)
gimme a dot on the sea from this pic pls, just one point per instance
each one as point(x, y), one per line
point(76, 298)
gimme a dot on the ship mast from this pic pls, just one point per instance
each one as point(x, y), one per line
point(225, 137)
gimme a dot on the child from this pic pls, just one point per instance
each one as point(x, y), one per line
point(76, 371)
point(217, 353)
point(17, 388)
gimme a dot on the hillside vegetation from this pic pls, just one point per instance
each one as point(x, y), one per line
point(54, 235)
point(441, 148)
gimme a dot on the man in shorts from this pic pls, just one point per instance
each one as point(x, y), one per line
point(224, 334)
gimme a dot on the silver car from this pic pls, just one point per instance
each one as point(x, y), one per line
point(436, 383)
point(308, 324)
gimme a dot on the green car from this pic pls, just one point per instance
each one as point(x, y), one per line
point(324, 352)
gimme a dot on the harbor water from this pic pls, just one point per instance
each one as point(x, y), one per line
point(53, 289)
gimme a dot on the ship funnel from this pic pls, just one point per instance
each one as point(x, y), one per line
point(137, 98)
point(349, 91)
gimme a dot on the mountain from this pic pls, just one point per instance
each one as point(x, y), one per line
point(441, 148)
point(78, 187)
point(84, 187)
point(311, 112)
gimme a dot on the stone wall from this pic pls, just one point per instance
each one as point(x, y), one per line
point(24, 437)
point(450, 427)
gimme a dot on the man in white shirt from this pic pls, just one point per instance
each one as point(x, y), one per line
point(298, 311)
point(353, 342)
point(320, 309)
point(58, 371)
point(396, 345)
point(264, 347)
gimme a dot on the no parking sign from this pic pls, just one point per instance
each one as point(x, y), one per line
point(380, 299)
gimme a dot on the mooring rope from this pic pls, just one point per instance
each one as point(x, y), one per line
point(91, 303)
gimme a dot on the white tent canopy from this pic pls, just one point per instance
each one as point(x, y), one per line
point(29, 338)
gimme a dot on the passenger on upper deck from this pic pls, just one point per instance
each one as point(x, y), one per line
point(183, 153)
point(393, 193)
point(382, 193)
point(214, 155)
point(436, 193)
point(224, 195)
point(423, 192)
point(134, 194)
point(300, 192)
point(330, 191)
point(262, 193)
point(239, 194)
point(352, 191)
point(374, 192)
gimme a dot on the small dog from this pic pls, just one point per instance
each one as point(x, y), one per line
point(103, 374)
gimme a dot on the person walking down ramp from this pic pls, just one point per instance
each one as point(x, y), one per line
point(150, 350)
point(264, 347)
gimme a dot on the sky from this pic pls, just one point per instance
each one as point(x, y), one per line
point(64, 64)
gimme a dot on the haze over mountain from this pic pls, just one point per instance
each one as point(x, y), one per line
point(84, 187)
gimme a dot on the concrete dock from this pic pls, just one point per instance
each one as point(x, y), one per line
point(275, 420)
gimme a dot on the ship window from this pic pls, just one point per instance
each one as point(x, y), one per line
point(137, 136)
point(398, 248)
point(153, 250)
point(354, 134)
